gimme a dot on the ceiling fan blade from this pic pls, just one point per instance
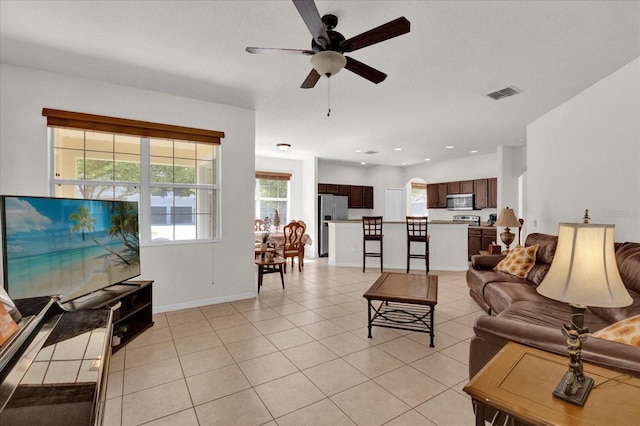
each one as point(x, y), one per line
point(311, 80)
point(309, 13)
point(365, 71)
point(269, 50)
point(384, 32)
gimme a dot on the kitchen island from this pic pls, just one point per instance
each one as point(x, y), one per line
point(448, 246)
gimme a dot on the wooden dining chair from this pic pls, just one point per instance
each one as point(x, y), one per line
point(372, 231)
point(258, 225)
point(292, 244)
point(417, 232)
point(302, 243)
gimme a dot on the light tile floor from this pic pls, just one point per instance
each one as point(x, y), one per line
point(298, 356)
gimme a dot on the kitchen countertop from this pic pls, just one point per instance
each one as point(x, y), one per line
point(431, 222)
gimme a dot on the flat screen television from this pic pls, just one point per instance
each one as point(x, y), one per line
point(67, 247)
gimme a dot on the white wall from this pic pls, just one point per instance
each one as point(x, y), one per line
point(183, 273)
point(303, 190)
point(468, 168)
point(380, 177)
point(585, 154)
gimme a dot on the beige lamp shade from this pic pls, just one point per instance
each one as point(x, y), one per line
point(584, 269)
point(508, 219)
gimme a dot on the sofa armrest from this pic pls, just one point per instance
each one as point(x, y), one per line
point(492, 333)
point(486, 261)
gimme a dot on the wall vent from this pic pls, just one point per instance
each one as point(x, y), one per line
point(504, 93)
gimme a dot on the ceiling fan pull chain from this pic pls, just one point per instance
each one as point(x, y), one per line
point(328, 97)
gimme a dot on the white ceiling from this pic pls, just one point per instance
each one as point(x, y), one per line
point(438, 74)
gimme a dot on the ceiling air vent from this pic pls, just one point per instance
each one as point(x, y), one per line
point(504, 93)
point(370, 152)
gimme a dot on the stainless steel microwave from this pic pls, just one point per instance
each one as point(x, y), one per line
point(461, 202)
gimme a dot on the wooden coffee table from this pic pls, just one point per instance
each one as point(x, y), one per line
point(407, 302)
point(269, 267)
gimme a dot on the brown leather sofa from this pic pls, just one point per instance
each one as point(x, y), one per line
point(516, 312)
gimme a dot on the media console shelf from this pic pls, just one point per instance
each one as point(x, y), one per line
point(53, 371)
point(131, 302)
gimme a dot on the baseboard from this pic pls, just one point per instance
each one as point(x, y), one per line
point(202, 302)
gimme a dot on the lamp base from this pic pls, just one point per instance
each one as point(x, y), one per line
point(578, 398)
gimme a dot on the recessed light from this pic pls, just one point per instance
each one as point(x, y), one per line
point(398, 149)
point(427, 159)
point(358, 150)
point(449, 147)
point(474, 151)
point(363, 162)
point(403, 164)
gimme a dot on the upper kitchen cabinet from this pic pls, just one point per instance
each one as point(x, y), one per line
point(453, 188)
point(361, 197)
point(485, 190)
point(466, 187)
point(480, 189)
point(492, 195)
point(437, 195)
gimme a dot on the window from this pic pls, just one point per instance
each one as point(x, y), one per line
point(272, 194)
point(419, 199)
point(174, 180)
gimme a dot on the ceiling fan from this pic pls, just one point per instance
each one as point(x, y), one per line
point(328, 46)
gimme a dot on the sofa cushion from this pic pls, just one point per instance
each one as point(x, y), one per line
point(549, 314)
point(500, 295)
point(626, 331)
point(547, 246)
point(628, 259)
point(519, 261)
point(618, 314)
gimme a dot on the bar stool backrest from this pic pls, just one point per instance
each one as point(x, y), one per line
point(372, 226)
point(417, 228)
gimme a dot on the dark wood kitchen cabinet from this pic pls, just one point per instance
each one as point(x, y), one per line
point(479, 238)
point(361, 197)
point(480, 189)
point(356, 197)
point(367, 197)
point(453, 188)
point(492, 193)
point(466, 187)
point(437, 195)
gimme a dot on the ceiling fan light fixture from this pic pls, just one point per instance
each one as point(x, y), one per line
point(283, 146)
point(328, 62)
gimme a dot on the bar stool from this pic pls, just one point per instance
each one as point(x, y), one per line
point(371, 231)
point(417, 232)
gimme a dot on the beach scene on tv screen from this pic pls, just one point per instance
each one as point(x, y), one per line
point(68, 247)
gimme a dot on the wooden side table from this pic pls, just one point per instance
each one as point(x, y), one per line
point(519, 382)
point(265, 267)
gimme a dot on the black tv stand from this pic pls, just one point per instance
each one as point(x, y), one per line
point(131, 302)
point(87, 328)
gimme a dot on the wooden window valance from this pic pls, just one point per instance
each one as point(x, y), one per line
point(101, 123)
point(418, 185)
point(273, 175)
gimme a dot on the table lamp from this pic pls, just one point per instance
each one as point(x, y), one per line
point(507, 219)
point(583, 273)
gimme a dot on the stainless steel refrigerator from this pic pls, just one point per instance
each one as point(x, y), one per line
point(330, 207)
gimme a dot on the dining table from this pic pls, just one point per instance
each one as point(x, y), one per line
point(277, 238)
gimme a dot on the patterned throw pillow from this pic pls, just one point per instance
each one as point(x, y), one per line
point(519, 261)
point(626, 331)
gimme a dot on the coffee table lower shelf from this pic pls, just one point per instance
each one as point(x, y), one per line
point(402, 316)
